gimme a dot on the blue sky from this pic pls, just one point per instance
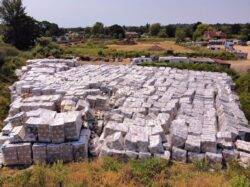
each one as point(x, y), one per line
point(73, 13)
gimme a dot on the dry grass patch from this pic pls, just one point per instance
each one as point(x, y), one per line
point(112, 172)
point(145, 46)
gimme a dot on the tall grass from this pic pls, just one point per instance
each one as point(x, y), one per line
point(113, 172)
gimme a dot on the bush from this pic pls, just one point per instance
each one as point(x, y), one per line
point(111, 164)
point(243, 89)
point(243, 83)
point(145, 171)
point(240, 181)
point(10, 65)
point(39, 174)
point(58, 173)
point(202, 165)
point(46, 48)
point(23, 178)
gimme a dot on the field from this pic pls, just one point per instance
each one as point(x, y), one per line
point(146, 46)
point(242, 65)
point(111, 48)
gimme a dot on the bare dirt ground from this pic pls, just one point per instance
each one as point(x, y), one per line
point(145, 46)
point(242, 66)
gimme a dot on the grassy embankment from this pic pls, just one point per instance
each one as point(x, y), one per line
point(112, 172)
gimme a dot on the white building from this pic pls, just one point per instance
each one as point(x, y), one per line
point(140, 60)
point(174, 59)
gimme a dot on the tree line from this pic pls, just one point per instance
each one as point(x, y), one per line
point(22, 31)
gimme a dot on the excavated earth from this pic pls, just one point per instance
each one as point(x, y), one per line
point(65, 111)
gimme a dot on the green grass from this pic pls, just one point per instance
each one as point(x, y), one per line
point(114, 172)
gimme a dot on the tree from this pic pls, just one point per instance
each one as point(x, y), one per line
point(162, 33)
point(116, 31)
point(235, 29)
point(48, 29)
point(196, 25)
point(20, 30)
point(147, 27)
point(180, 34)
point(46, 47)
point(170, 31)
point(98, 28)
point(245, 33)
point(155, 29)
point(199, 32)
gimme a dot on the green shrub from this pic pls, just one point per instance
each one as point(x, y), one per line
point(146, 170)
point(243, 89)
point(58, 172)
point(202, 165)
point(240, 181)
point(243, 83)
point(39, 174)
point(23, 178)
point(10, 65)
point(111, 164)
point(245, 103)
point(46, 48)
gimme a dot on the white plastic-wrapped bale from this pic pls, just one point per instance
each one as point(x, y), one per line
point(39, 151)
point(243, 146)
point(24, 153)
point(166, 155)
point(179, 154)
point(72, 125)
point(214, 158)
point(195, 157)
point(9, 151)
point(230, 155)
point(112, 127)
point(115, 141)
point(155, 144)
point(80, 147)
point(56, 129)
point(178, 133)
point(17, 134)
point(54, 153)
point(7, 129)
point(193, 143)
point(67, 152)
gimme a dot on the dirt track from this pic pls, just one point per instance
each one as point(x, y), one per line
point(242, 66)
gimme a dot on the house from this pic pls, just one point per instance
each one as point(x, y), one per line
point(229, 45)
point(217, 42)
point(201, 60)
point(240, 54)
point(131, 35)
point(209, 35)
point(214, 47)
point(222, 63)
point(141, 60)
point(174, 59)
point(70, 37)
